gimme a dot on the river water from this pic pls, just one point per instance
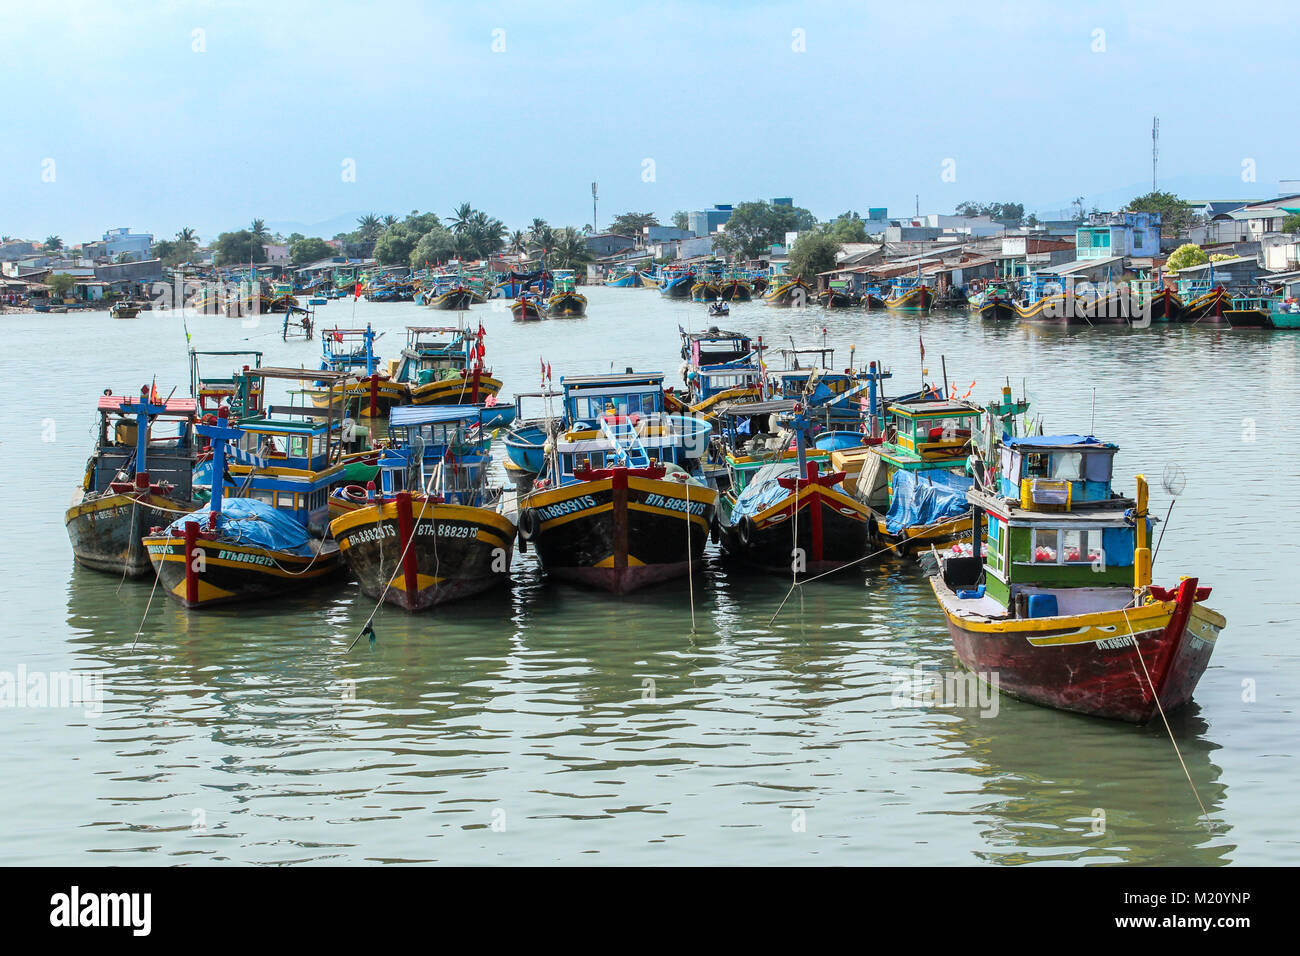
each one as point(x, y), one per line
point(548, 724)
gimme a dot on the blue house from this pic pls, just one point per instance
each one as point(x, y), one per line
point(1110, 234)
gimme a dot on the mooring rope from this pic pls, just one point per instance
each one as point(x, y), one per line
point(1156, 697)
point(402, 557)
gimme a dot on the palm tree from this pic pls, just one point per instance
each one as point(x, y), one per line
point(538, 225)
point(518, 241)
point(6, 238)
point(53, 243)
point(487, 233)
point(259, 231)
point(461, 217)
point(389, 220)
point(570, 250)
point(187, 235)
point(540, 240)
point(370, 225)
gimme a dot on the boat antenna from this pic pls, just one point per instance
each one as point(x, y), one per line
point(1092, 424)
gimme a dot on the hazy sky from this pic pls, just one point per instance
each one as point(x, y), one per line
point(161, 115)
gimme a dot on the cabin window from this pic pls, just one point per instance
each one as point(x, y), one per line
point(1037, 464)
point(1080, 546)
point(299, 446)
point(267, 497)
point(994, 557)
point(1046, 547)
point(1067, 466)
point(1097, 467)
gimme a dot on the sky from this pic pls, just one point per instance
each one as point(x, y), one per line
point(159, 115)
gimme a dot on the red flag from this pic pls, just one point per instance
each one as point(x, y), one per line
point(543, 361)
point(338, 336)
point(548, 371)
point(153, 392)
point(922, 341)
point(356, 294)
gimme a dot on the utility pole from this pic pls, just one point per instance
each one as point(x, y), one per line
point(594, 230)
point(1155, 149)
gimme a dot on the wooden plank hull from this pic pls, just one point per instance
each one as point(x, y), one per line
point(228, 573)
point(1087, 663)
point(455, 391)
point(829, 529)
point(566, 305)
point(620, 533)
point(107, 531)
point(450, 552)
point(919, 299)
point(998, 310)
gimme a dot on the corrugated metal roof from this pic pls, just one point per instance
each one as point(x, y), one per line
point(407, 415)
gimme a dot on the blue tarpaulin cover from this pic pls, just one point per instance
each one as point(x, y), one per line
point(763, 491)
point(1050, 441)
point(921, 498)
point(249, 521)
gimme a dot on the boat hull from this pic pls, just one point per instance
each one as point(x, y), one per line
point(1207, 307)
point(679, 288)
point(789, 295)
point(1086, 663)
point(827, 527)
point(418, 554)
point(998, 310)
point(455, 391)
point(358, 395)
point(107, 531)
point(619, 533)
point(872, 301)
point(527, 311)
point(566, 305)
point(735, 290)
point(216, 571)
point(919, 299)
point(454, 300)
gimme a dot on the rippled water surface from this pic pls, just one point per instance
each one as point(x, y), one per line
point(543, 723)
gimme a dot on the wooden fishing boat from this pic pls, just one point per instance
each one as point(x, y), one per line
point(444, 366)
point(529, 307)
point(450, 292)
point(675, 282)
point(525, 442)
point(240, 394)
point(565, 300)
point(915, 480)
point(1059, 608)
point(910, 295)
point(262, 533)
point(873, 297)
point(783, 511)
point(649, 280)
point(432, 532)
point(1049, 299)
point(617, 505)
point(993, 301)
point(124, 310)
point(758, 283)
point(1250, 311)
point(788, 292)
point(624, 279)
point(734, 286)
point(297, 324)
point(838, 295)
point(1204, 303)
point(719, 367)
point(138, 477)
point(1158, 302)
point(372, 393)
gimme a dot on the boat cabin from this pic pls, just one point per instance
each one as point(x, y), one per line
point(441, 450)
point(927, 432)
point(431, 353)
point(589, 398)
point(241, 393)
point(715, 347)
point(343, 350)
point(165, 452)
point(287, 465)
point(1057, 471)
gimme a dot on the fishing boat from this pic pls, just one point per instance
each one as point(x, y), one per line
point(1157, 301)
point(368, 392)
point(915, 480)
point(525, 442)
point(432, 532)
point(618, 505)
point(758, 283)
point(1204, 300)
point(450, 292)
point(873, 296)
point(565, 300)
point(1250, 311)
point(649, 278)
point(511, 285)
point(1285, 315)
point(124, 310)
point(624, 279)
point(262, 533)
point(993, 300)
point(708, 282)
point(1059, 607)
point(719, 308)
point(240, 394)
point(282, 298)
point(137, 477)
point(809, 377)
point(718, 367)
point(529, 307)
point(787, 291)
point(444, 366)
point(1049, 299)
point(735, 286)
point(909, 294)
point(838, 295)
point(675, 282)
point(784, 511)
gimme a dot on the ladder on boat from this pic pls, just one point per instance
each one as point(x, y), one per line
point(626, 443)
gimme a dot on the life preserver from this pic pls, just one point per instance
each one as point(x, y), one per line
point(715, 530)
point(354, 493)
point(745, 531)
point(529, 524)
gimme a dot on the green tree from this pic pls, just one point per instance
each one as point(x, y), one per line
point(754, 226)
point(517, 242)
point(813, 252)
point(395, 246)
point(60, 284)
point(1291, 223)
point(1176, 217)
point(173, 252)
point(370, 226)
point(682, 219)
point(437, 244)
point(460, 219)
point(259, 231)
point(632, 223)
point(53, 243)
point(187, 235)
point(849, 227)
point(232, 248)
point(1188, 254)
point(310, 250)
point(570, 250)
